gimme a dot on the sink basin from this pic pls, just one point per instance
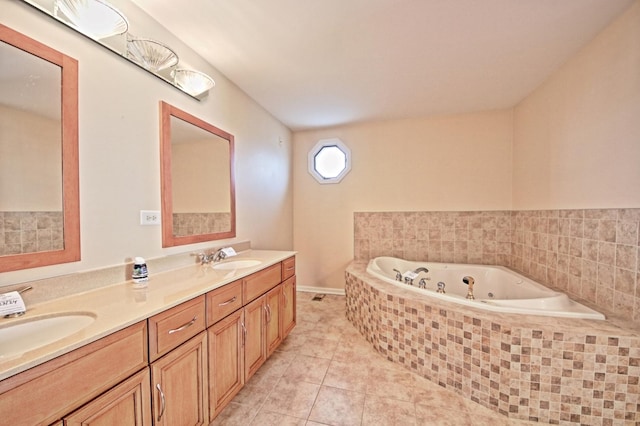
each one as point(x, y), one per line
point(237, 264)
point(22, 336)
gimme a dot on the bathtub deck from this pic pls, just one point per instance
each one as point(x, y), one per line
point(526, 367)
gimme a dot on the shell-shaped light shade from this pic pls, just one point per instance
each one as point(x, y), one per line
point(94, 18)
point(193, 82)
point(151, 54)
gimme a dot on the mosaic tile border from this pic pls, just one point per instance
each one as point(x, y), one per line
point(29, 232)
point(530, 368)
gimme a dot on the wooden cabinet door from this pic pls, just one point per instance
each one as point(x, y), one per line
point(273, 326)
point(255, 349)
point(179, 381)
point(288, 306)
point(226, 361)
point(128, 404)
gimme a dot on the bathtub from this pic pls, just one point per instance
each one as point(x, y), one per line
point(496, 288)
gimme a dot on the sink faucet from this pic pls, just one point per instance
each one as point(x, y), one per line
point(218, 256)
point(469, 281)
point(212, 257)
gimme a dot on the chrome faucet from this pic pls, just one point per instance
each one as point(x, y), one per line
point(421, 269)
point(469, 281)
point(217, 256)
point(205, 258)
point(398, 275)
point(423, 282)
point(441, 286)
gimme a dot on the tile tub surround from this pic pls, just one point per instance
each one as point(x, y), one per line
point(592, 255)
point(524, 367)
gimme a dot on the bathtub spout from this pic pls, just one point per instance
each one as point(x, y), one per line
point(421, 269)
point(469, 281)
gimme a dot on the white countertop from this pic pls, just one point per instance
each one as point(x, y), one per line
point(120, 305)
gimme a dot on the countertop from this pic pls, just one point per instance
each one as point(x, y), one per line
point(117, 306)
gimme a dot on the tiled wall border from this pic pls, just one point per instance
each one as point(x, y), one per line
point(592, 255)
point(539, 369)
point(200, 223)
point(28, 232)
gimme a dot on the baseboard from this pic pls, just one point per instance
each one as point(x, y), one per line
point(324, 290)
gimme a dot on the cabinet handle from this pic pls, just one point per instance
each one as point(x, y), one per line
point(267, 310)
point(162, 401)
point(244, 333)
point(233, 299)
point(182, 327)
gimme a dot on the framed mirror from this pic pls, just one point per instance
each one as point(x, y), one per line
point(198, 185)
point(39, 198)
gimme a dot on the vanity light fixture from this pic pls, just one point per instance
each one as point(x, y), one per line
point(193, 82)
point(150, 54)
point(94, 18)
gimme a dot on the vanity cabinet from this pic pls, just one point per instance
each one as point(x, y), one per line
point(273, 323)
point(179, 382)
point(127, 404)
point(288, 306)
point(174, 326)
point(46, 393)
point(226, 361)
point(179, 367)
point(254, 340)
point(179, 370)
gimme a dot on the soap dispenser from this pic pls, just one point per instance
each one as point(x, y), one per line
point(140, 274)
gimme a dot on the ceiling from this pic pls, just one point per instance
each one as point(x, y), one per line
point(319, 63)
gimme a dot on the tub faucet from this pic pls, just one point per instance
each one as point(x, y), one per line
point(398, 275)
point(421, 269)
point(469, 281)
point(441, 286)
point(423, 282)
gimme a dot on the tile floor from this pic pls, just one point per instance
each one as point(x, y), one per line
point(326, 373)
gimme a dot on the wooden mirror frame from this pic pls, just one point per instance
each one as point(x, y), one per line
point(70, 186)
point(168, 238)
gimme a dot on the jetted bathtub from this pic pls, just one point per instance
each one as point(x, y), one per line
point(495, 289)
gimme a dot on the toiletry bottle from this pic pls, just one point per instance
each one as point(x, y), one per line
point(140, 274)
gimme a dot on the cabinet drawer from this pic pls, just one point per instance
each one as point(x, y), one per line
point(45, 393)
point(288, 268)
point(175, 326)
point(223, 301)
point(129, 403)
point(259, 283)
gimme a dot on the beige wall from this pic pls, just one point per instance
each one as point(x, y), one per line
point(200, 176)
point(573, 143)
point(119, 148)
point(457, 162)
point(30, 162)
point(577, 137)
